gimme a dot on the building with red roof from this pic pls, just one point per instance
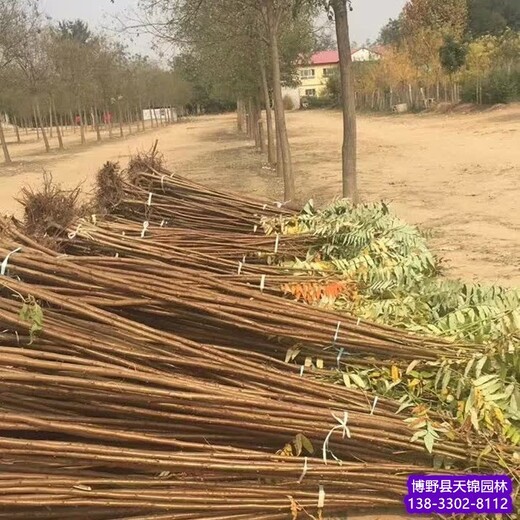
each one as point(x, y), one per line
point(322, 65)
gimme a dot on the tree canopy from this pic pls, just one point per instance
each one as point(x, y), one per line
point(483, 17)
point(493, 16)
point(71, 67)
point(75, 30)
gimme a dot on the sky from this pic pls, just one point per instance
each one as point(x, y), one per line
point(365, 22)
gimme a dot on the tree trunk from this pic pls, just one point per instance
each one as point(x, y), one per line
point(249, 119)
point(96, 124)
point(72, 122)
point(424, 100)
point(261, 136)
point(81, 126)
point(279, 164)
point(141, 115)
point(243, 116)
point(250, 111)
point(151, 116)
point(17, 130)
point(58, 130)
point(36, 125)
point(107, 116)
point(7, 157)
point(248, 124)
point(129, 121)
point(273, 21)
point(349, 149)
point(44, 133)
point(120, 117)
point(51, 124)
point(271, 147)
point(255, 118)
point(86, 123)
point(239, 119)
point(138, 121)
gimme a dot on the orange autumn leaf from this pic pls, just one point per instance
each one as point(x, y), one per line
point(313, 292)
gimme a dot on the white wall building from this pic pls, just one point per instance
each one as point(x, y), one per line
point(365, 54)
point(160, 114)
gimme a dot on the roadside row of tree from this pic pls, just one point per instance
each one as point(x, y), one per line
point(240, 50)
point(52, 76)
point(249, 50)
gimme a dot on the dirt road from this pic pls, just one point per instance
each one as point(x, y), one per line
point(458, 175)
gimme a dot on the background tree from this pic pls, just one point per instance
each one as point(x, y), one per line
point(391, 33)
point(432, 36)
point(325, 39)
point(349, 148)
point(33, 61)
point(452, 55)
point(17, 19)
point(493, 16)
point(75, 30)
point(219, 42)
point(52, 74)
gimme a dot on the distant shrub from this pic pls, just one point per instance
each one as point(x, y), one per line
point(319, 102)
point(500, 86)
point(288, 102)
point(333, 89)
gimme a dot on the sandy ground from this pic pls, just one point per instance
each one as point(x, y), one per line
point(456, 175)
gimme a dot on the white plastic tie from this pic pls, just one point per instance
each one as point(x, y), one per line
point(264, 206)
point(304, 472)
point(340, 354)
point(255, 227)
point(345, 433)
point(372, 410)
point(244, 259)
point(150, 199)
point(162, 223)
point(94, 219)
point(279, 204)
point(73, 234)
point(262, 283)
point(321, 498)
point(336, 334)
point(302, 368)
point(146, 224)
point(240, 264)
point(277, 243)
point(358, 321)
point(116, 255)
point(3, 267)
